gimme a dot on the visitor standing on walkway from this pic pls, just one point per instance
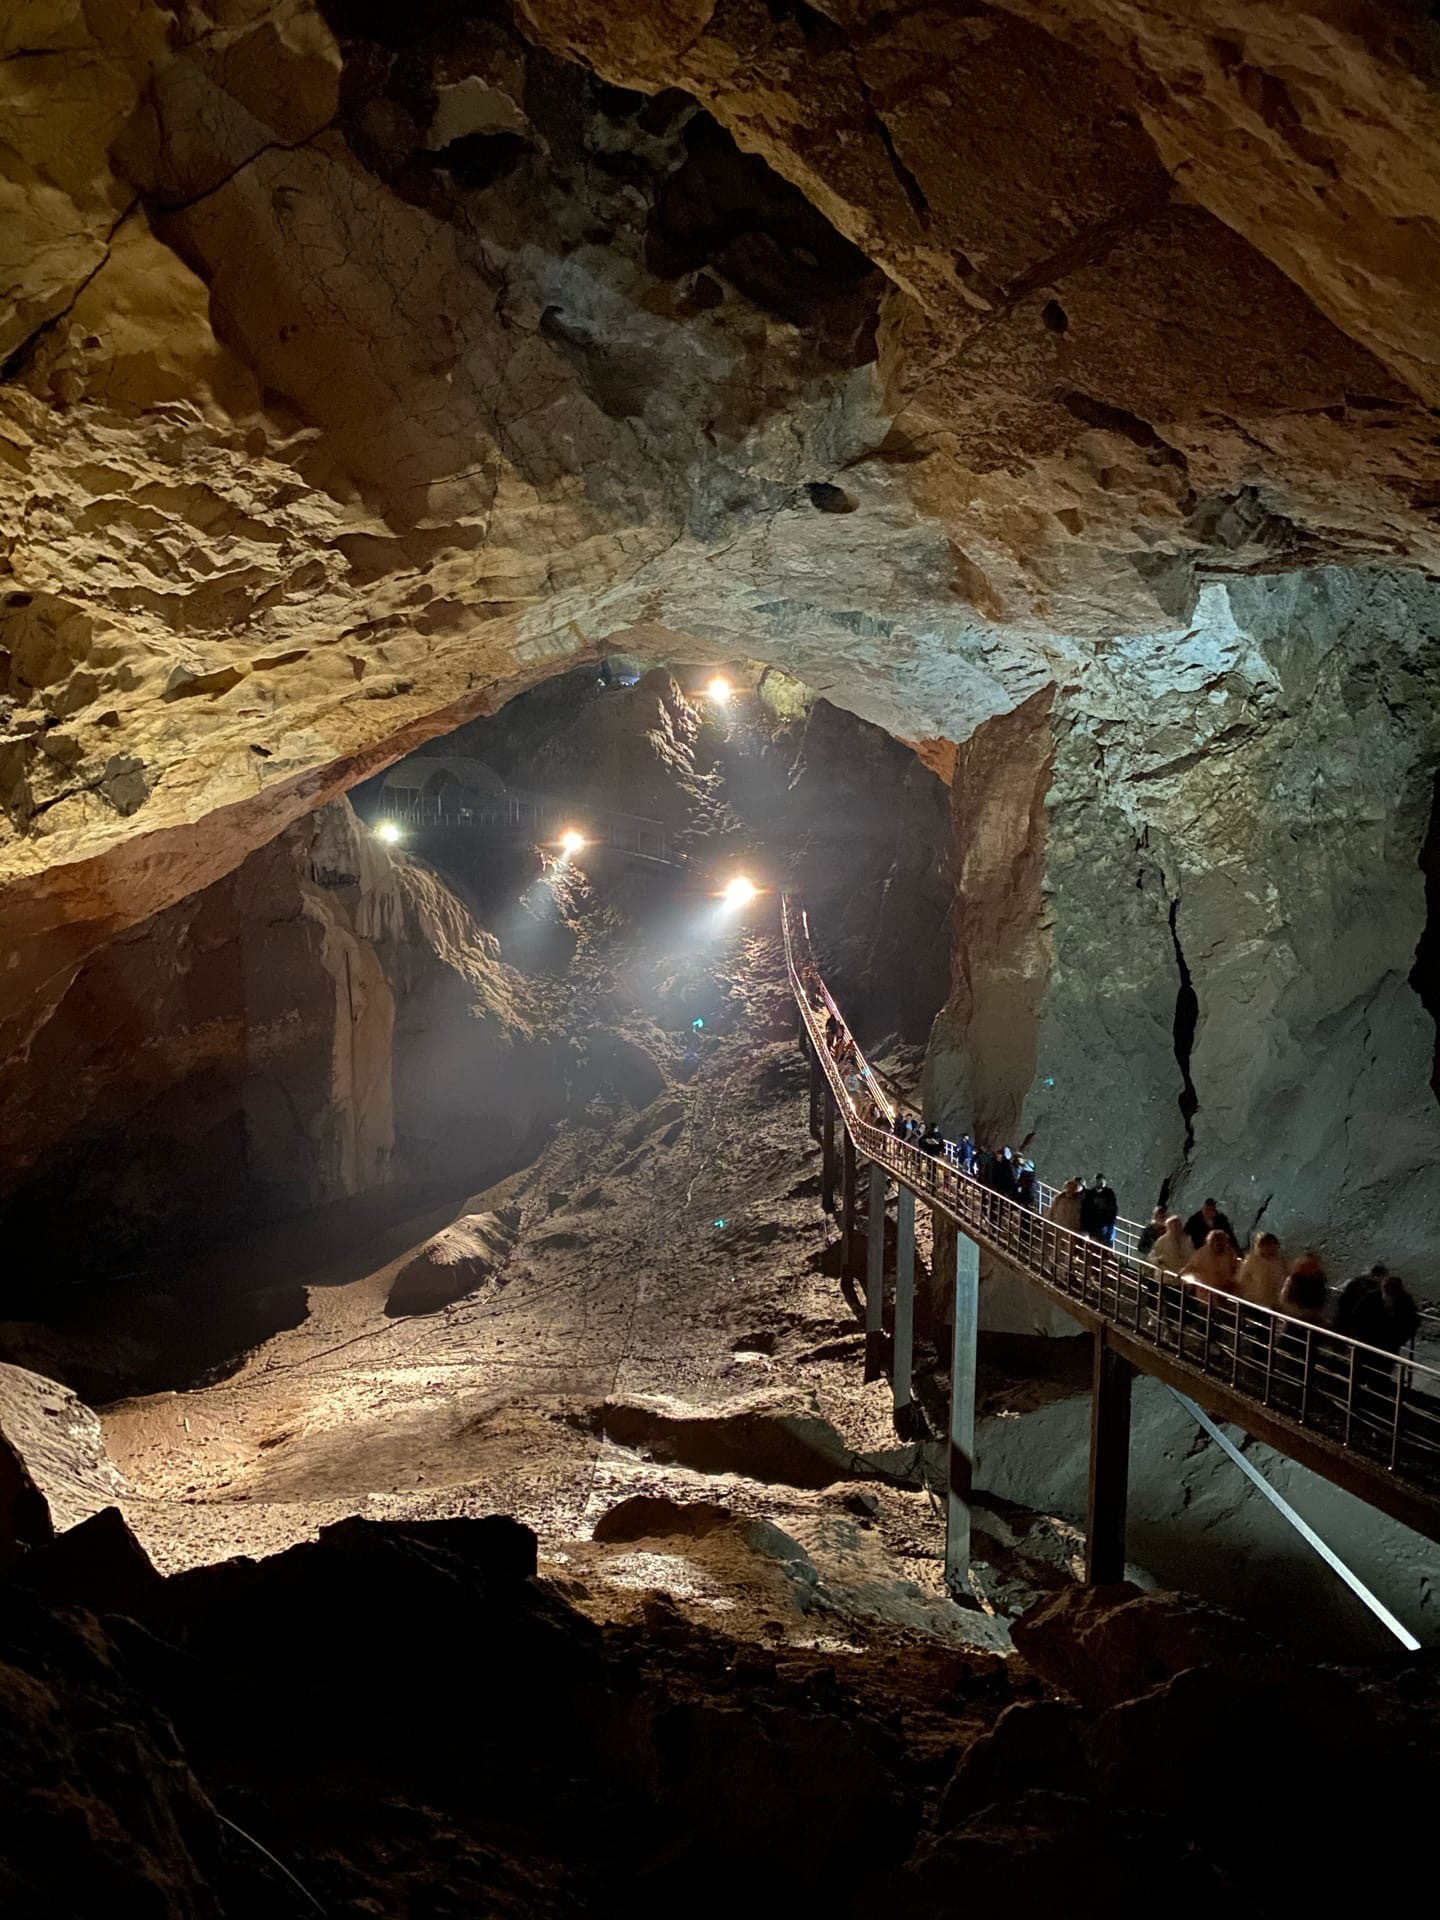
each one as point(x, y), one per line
point(1149, 1235)
point(1099, 1210)
point(1206, 1220)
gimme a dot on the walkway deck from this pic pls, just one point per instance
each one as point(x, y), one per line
point(544, 815)
point(1361, 1417)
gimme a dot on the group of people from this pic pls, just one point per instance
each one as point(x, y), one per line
point(1375, 1308)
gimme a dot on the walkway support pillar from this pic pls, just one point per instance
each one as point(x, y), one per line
point(827, 1159)
point(875, 1274)
point(849, 1265)
point(903, 1352)
point(960, 1479)
point(1109, 1464)
point(817, 1090)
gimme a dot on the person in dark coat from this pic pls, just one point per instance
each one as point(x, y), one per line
point(967, 1154)
point(1006, 1174)
point(1027, 1187)
point(1099, 1210)
point(1206, 1220)
point(1377, 1309)
point(985, 1166)
point(932, 1141)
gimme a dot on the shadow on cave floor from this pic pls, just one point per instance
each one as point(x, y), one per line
point(190, 1318)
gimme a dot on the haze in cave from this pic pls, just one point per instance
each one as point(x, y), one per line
point(660, 664)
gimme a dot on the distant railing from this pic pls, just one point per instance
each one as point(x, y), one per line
point(1374, 1404)
point(545, 815)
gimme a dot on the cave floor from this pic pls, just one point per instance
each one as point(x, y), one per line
point(674, 1268)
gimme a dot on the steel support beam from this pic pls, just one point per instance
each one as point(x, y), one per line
point(818, 1090)
point(1306, 1532)
point(827, 1162)
point(1109, 1463)
point(875, 1274)
point(849, 1261)
point(960, 1478)
point(903, 1353)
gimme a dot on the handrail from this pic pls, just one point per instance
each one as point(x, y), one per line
point(464, 807)
point(1373, 1403)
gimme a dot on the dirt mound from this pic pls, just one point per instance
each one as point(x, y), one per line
point(1107, 1644)
point(457, 1261)
point(768, 1443)
point(651, 1517)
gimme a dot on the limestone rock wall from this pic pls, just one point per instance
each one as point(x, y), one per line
point(360, 365)
point(1245, 855)
point(324, 1021)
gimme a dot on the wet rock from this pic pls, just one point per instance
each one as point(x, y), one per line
point(1103, 1645)
point(455, 1262)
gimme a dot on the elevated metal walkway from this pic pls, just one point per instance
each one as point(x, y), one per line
point(544, 815)
point(1366, 1419)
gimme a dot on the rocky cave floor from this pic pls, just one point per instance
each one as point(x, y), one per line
point(663, 1377)
point(734, 1673)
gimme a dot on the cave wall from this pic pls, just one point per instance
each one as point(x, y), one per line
point(1245, 854)
point(324, 1021)
point(360, 365)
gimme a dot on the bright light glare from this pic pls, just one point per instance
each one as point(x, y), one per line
point(740, 891)
point(719, 690)
point(388, 832)
point(572, 842)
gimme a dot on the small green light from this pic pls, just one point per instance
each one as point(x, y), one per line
point(697, 1024)
point(719, 1223)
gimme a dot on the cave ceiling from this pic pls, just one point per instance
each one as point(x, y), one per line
point(364, 362)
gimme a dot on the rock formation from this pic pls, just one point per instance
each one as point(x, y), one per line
point(363, 364)
point(327, 1019)
point(1186, 925)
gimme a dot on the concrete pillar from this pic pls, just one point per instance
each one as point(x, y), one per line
point(827, 1160)
point(903, 1354)
point(875, 1274)
point(849, 1261)
point(944, 1234)
point(960, 1479)
point(1109, 1464)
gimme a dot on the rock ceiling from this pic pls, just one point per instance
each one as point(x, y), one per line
point(364, 361)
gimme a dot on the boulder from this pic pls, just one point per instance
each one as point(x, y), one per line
point(59, 1445)
point(1034, 1744)
point(1102, 1645)
point(99, 1565)
point(25, 1521)
point(458, 1260)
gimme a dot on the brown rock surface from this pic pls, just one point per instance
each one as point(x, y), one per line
point(455, 1262)
point(327, 1019)
point(361, 369)
point(58, 1444)
point(1103, 1645)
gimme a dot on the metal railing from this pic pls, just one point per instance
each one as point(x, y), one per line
point(544, 815)
point(1374, 1404)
